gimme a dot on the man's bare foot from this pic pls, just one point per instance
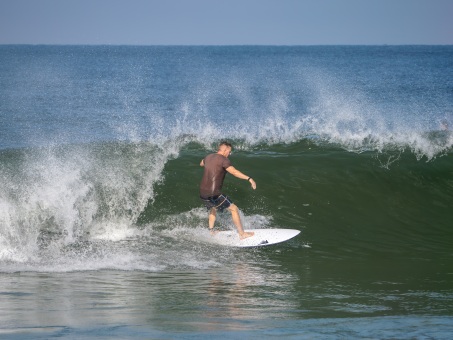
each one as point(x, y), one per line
point(213, 232)
point(246, 234)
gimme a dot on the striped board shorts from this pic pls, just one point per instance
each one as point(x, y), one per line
point(219, 202)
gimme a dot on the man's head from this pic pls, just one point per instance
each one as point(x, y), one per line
point(225, 149)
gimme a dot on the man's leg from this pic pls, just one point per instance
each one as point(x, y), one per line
point(212, 217)
point(237, 222)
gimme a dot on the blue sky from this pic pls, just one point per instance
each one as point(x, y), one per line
point(226, 22)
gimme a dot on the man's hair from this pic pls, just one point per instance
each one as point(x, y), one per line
point(226, 144)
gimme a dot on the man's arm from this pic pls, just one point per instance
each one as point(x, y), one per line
point(236, 173)
point(202, 162)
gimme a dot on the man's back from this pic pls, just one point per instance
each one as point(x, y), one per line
point(215, 166)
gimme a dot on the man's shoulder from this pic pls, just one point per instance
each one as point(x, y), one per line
point(215, 157)
point(211, 156)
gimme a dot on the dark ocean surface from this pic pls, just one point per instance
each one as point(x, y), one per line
point(99, 211)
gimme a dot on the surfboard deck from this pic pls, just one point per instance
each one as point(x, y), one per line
point(262, 237)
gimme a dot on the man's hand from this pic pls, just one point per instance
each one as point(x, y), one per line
point(253, 183)
point(236, 173)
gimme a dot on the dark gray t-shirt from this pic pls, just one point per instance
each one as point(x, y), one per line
point(215, 166)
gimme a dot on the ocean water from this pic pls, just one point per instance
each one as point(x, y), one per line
point(99, 172)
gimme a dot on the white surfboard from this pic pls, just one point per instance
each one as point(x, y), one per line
point(262, 237)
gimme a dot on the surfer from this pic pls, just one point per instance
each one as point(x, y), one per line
point(216, 165)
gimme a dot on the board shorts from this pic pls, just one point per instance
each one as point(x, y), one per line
point(219, 202)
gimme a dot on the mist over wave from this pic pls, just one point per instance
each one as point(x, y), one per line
point(321, 107)
point(358, 98)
